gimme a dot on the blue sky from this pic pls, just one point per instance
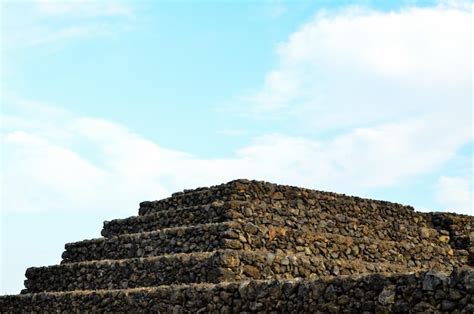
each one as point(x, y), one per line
point(106, 104)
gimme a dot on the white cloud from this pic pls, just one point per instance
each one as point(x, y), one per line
point(39, 175)
point(53, 158)
point(81, 8)
point(41, 22)
point(456, 194)
point(48, 35)
point(397, 85)
point(359, 66)
point(97, 164)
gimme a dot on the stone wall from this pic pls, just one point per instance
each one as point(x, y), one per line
point(125, 273)
point(460, 229)
point(318, 239)
point(419, 292)
point(217, 266)
point(196, 251)
point(270, 205)
point(249, 215)
point(199, 196)
point(198, 238)
point(170, 218)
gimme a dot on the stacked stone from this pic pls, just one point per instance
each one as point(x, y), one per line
point(248, 230)
point(459, 229)
point(424, 292)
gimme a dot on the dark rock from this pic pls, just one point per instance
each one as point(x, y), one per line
point(387, 296)
point(447, 305)
point(431, 281)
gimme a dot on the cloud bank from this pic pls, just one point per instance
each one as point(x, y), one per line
point(95, 164)
point(394, 88)
point(359, 66)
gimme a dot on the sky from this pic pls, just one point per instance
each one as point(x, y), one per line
point(105, 104)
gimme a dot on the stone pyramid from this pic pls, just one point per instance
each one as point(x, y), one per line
point(251, 246)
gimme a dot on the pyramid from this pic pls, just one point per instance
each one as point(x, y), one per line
point(253, 246)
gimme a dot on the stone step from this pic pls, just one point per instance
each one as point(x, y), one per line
point(217, 266)
point(238, 265)
point(170, 218)
point(334, 246)
point(404, 292)
point(198, 238)
point(220, 211)
point(124, 273)
point(196, 197)
point(241, 234)
point(332, 223)
point(290, 199)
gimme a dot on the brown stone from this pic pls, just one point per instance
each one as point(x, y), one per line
point(252, 271)
point(278, 196)
point(444, 239)
point(232, 244)
point(425, 232)
point(230, 260)
point(250, 228)
point(274, 232)
point(218, 203)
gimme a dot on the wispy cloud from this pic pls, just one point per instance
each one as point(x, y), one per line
point(82, 9)
point(94, 164)
point(358, 66)
point(396, 86)
point(42, 22)
point(398, 91)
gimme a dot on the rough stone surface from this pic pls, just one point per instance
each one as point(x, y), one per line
point(370, 293)
point(251, 246)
